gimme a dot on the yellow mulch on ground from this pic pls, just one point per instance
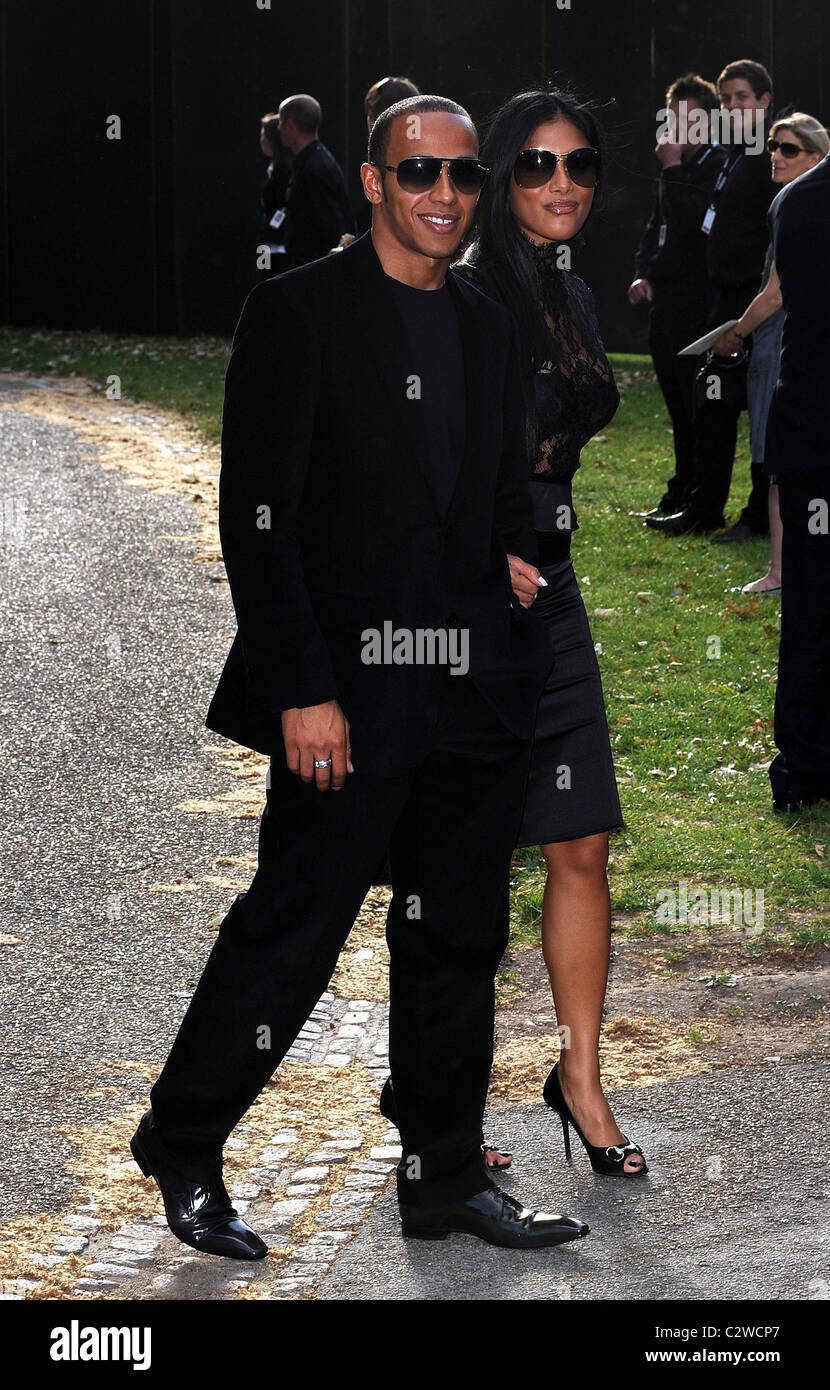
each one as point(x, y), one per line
point(633, 1052)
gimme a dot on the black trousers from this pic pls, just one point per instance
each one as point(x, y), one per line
point(679, 314)
point(716, 426)
point(802, 698)
point(453, 822)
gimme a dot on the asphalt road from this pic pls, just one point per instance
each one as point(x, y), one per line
point(736, 1204)
point(111, 641)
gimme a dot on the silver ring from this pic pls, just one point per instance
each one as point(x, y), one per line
point(322, 762)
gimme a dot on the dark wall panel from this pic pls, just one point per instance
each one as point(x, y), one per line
point(158, 231)
point(80, 207)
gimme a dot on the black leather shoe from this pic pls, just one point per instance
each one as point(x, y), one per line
point(792, 807)
point(494, 1216)
point(681, 523)
point(741, 531)
point(667, 506)
point(198, 1212)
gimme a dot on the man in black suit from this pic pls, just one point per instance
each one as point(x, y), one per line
point(373, 481)
point(736, 246)
point(797, 454)
point(316, 213)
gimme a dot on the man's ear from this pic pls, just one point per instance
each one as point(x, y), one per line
point(372, 182)
point(764, 101)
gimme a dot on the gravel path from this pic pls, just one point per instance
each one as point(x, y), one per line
point(111, 645)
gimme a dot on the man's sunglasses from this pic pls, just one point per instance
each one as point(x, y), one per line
point(535, 168)
point(421, 171)
point(786, 147)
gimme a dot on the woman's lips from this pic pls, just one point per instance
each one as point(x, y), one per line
point(560, 209)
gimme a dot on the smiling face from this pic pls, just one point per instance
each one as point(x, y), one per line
point(737, 94)
point(557, 210)
point(429, 224)
point(785, 170)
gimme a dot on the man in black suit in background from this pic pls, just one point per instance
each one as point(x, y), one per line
point(374, 479)
point(797, 454)
point(316, 213)
point(736, 247)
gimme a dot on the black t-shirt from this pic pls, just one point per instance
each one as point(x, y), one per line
point(437, 357)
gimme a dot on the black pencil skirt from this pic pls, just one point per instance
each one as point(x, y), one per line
point(571, 789)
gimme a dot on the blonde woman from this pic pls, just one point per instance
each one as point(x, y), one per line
point(796, 143)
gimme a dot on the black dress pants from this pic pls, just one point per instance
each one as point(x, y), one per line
point(716, 421)
point(801, 771)
point(679, 314)
point(453, 821)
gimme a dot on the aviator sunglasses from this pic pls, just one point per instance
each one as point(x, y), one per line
point(535, 168)
point(786, 148)
point(421, 171)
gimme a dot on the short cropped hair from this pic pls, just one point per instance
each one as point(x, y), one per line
point(412, 106)
point(305, 111)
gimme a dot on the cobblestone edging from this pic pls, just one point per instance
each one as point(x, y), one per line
point(142, 1259)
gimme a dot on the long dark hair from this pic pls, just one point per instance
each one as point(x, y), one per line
point(500, 250)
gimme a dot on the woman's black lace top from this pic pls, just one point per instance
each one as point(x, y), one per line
point(574, 389)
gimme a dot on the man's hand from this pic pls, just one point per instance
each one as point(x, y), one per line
point(669, 152)
point(526, 580)
point(318, 731)
point(639, 291)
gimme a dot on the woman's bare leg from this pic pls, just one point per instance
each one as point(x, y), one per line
point(772, 578)
point(576, 943)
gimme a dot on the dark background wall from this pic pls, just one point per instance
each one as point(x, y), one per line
point(157, 232)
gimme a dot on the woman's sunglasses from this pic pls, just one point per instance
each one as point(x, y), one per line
point(535, 168)
point(420, 171)
point(786, 147)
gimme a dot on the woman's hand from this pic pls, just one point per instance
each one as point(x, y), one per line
point(728, 344)
point(526, 580)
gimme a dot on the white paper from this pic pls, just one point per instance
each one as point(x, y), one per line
point(701, 345)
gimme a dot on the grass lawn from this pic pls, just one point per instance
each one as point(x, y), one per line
point(688, 662)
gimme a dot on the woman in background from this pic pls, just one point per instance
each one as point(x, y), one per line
point(544, 153)
point(796, 144)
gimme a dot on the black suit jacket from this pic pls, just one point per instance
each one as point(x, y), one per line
point(317, 210)
point(798, 426)
point(330, 525)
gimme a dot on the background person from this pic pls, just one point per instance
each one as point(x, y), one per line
point(317, 210)
point(798, 455)
point(796, 144)
point(736, 248)
point(272, 198)
point(670, 269)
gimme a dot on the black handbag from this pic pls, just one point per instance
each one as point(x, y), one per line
point(731, 373)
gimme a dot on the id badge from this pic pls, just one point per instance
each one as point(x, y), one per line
point(278, 219)
point(661, 235)
point(706, 224)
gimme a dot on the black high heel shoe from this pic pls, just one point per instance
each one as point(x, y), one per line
point(389, 1111)
point(609, 1160)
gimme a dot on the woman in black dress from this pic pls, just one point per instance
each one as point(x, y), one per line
point(543, 150)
